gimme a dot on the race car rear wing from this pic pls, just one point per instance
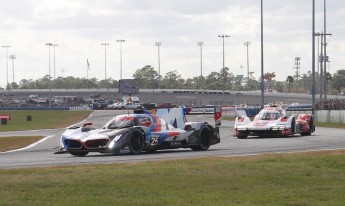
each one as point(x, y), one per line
point(177, 116)
point(300, 107)
point(215, 110)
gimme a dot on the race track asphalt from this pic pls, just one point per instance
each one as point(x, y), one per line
point(42, 153)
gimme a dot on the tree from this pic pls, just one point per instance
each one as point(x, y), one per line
point(191, 83)
point(224, 77)
point(289, 80)
point(146, 77)
point(269, 77)
point(172, 80)
point(338, 80)
point(213, 81)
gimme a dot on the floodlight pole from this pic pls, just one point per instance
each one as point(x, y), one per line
point(13, 57)
point(223, 36)
point(158, 44)
point(247, 43)
point(105, 59)
point(200, 43)
point(49, 83)
point(121, 41)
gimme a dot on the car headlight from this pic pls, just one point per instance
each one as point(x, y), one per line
point(117, 138)
point(278, 128)
point(112, 143)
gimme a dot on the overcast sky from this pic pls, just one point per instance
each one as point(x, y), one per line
point(79, 27)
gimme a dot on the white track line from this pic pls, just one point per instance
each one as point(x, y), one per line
point(42, 140)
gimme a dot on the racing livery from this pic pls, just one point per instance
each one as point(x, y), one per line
point(273, 121)
point(142, 131)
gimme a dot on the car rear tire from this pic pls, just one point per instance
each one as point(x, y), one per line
point(79, 154)
point(136, 141)
point(293, 126)
point(311, 125)
point(205, 139)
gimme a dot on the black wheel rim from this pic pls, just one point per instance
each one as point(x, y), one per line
point(137, 143)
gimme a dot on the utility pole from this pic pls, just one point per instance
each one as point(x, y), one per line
point(322, 60)
point(313, 58)
point(325, 60)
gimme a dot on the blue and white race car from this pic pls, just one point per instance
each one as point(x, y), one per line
point(142, 131)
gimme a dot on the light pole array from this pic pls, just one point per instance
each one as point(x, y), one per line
point(49, 84)
point(6, 47)
point(200, 43)
point(121, 41)
point(247, 43)
point(105, 59)
point(158, 44)
point(13, 57)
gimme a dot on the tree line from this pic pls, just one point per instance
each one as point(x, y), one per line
point(148, 78)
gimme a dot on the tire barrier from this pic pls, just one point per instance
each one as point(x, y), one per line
point(3, 121)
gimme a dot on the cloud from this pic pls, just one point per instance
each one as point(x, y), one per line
point(79, 27)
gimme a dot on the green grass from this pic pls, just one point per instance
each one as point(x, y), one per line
point(42, 119)
point(316, 178)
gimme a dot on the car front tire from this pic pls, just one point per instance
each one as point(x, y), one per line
point(136, 141)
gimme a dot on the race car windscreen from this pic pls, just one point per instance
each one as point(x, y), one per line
point(269, 115)
point(123, 122)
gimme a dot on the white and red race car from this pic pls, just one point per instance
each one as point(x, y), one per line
point(273, 121)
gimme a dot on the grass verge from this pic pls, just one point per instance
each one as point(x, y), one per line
point(41, 119)
point(12, 143)
point(315, 178)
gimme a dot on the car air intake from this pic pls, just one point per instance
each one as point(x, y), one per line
point(96, 143)
point(72, 144)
